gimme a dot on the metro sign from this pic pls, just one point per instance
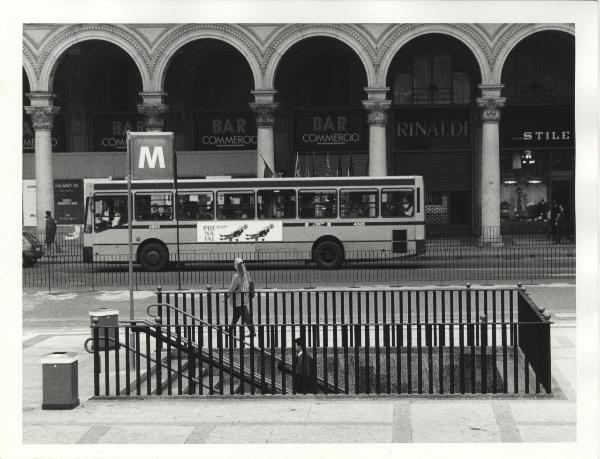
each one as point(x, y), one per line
point(151, 155)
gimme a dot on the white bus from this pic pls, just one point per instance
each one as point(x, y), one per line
point(328, 218)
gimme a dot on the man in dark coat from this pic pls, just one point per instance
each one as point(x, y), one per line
point(50, 232)
point(560, 223)
point(303, 371)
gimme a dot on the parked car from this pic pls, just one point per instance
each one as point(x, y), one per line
point(33, 249)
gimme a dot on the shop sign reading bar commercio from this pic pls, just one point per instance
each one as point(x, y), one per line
point(224, 131)
point(110, 131)
point(335, 130)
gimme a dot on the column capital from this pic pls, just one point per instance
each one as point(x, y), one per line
point(154, 115)
point(153, 97)
point(377, 93)
point(42, 117)
point(265, 113)
point(264, 96)
point(491, 108)
point(377, 111)
point(41, 98)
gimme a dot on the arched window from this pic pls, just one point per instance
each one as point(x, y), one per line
point(432, 71)
point(541, 70)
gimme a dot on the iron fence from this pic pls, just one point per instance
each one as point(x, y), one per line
point(192, 356)
point(293, 268)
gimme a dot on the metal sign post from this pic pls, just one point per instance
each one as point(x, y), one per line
point(149, 157)
point(130, 228)
point(175, 205)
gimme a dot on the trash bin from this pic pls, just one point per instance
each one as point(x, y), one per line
point(106, 318)
point(60, 381)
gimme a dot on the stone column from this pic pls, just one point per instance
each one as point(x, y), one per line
point(490, 104)
point(377, 107)
point(42, 113)
point(264, 107)
point(154, 110)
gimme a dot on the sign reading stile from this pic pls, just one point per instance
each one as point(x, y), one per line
point(150, 155)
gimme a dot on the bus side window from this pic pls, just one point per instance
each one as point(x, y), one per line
point(359, 204)
point(109, 212)
point(195, 206)
point(235, 205)
point(318, 204)
point(397, 203)
point(153, 206)
point(276, 204)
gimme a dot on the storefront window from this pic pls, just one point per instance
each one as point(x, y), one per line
point(524, 192)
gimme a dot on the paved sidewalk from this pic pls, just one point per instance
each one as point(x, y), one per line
point(301, 419)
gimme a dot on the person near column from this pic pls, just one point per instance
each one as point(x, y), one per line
point(239, 294)
point(50, 233)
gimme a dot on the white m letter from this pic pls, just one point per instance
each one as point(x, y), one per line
point(157, 153)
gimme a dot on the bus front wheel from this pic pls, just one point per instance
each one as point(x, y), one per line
point(154, 257)
point(329, 254)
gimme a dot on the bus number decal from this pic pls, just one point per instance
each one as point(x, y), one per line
point(359, 223)
point(154, 226)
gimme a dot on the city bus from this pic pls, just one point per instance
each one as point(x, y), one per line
point(328, 219)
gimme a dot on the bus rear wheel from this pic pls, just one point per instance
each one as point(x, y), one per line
point(154, 257)
point(329, 254)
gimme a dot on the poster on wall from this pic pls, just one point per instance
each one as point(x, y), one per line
point(29, 207)
point(240, 231)
point(68, 201)
point(222, 131)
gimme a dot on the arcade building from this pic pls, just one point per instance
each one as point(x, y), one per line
point(484, 112)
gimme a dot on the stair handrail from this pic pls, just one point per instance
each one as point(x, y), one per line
point(287, 366)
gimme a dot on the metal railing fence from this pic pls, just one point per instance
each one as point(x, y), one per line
point(294, 268)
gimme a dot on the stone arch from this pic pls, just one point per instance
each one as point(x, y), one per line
point(404, 34)
point(514, 35)
point(29, 67)
point(293, 34)
point(183, 35)
point(68, 36)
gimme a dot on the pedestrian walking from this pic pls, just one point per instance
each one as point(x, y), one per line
point(560, 223)
point(50, 233)
point(303, 371)
point(239, 294)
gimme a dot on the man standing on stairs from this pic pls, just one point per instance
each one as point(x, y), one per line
point(303, 371)
point(239, 294)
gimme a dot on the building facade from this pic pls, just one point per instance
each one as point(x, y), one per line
point(485, 112)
